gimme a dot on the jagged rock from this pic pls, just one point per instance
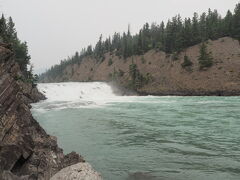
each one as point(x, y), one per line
point(80, 171)
point(7, 175)
point(26, 150)
point(72, 158)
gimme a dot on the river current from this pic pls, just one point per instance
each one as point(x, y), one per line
point(138, 138)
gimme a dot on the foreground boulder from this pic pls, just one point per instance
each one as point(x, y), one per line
point(80, 171)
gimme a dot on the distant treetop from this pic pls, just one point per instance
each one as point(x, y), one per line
point(174, 36)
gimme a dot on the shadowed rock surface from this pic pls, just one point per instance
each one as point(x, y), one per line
point(26, 150)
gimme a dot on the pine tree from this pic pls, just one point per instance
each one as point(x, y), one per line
point(195, 29)
point(11, 31)
point(3, 28)
point(99, 49)
point(213, 25)
point(236, 22)
point(228, 24)
point(187, 35)
point(89, 50)
point(205, 59)
point(187, 62)
point(22, 56)
point(171, 38)
point(140, 43)
point(146, 38)
point(203, 27)
point(179, 41)
point(161, 43)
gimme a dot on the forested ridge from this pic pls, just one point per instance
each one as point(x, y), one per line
point(8, 35)
point(172, 38)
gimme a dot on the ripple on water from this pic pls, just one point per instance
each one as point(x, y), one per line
point(173, 138)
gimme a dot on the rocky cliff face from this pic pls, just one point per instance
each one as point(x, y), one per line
point(167, 75)
point(26, 150)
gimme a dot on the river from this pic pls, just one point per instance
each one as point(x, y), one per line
point(135, 137)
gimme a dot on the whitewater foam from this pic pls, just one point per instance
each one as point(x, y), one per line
point(76, 95)
point(75, 91)
point(72, 95)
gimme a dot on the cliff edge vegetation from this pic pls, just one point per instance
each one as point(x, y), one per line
point(27, 152)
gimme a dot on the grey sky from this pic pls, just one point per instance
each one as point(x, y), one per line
point(55, 29)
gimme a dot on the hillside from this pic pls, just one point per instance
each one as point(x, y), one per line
point(191, 56)
point(167, 76)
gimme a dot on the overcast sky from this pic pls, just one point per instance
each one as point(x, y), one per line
point(55, 29)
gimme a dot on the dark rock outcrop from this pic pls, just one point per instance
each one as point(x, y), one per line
point(26, 150)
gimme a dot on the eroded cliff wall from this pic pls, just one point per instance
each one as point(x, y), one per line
point(26, 150)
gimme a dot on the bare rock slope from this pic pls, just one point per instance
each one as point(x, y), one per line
point(168, 76)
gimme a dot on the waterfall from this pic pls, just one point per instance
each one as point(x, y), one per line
point(75, 95)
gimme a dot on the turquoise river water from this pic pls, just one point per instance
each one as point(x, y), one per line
point(138, 138)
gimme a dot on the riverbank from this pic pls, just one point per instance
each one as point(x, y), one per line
point(163, 73)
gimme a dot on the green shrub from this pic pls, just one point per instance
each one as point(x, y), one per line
point(167, 55)
point(110, 62)
point(187, 62)
point(143, 60)
point(175, 56)
point(205, 59)
point(138, 80)
point(120, 73)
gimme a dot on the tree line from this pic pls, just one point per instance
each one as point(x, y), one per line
point(8, 35)
point(173, 37)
